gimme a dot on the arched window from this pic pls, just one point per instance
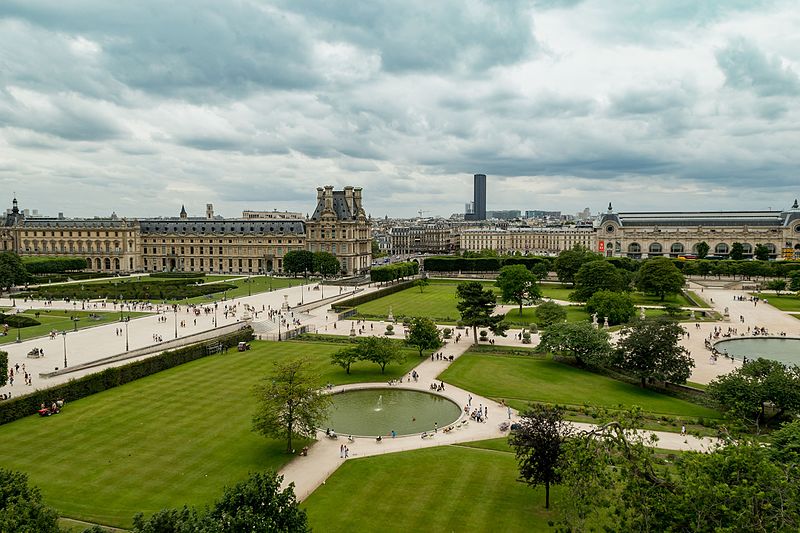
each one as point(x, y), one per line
point(676, 248)
point(772, 248)
point(88, 262)
point(634, 248)
point(747, 248)
point(721, 249)
point(108, 263)
point(655, 248)
point(98, 265)
point(116, 263)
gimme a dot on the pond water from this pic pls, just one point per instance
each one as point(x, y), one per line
point(372, 412)
point(783, 349)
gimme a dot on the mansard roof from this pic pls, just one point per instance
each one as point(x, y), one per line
point(204, 226)
point(775, 219)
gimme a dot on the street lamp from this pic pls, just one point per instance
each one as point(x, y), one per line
point(64, 335)
point(249, 290)
point(175, 312)
point(128, 319)
point(215, 313)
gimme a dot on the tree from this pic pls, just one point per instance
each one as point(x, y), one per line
point(12, 271)
point(549, 313)
point(298, 262)
point(777, 285)
point(587, 344)
point(597, 275)
point(762, 252)
point(424, 335)
point(660, 276)
point(3, 368)
point(616, 306)
point(290, 403)
point(21, 506)
point(376, 250)
point(794, 284)
point(422, 283)
point(538, 443)
point(649, 349)
point(737, 251)
point(702, 249)
point(517, 284)
point(346, 357)
point(381, 351)
point(569, 262)
point(750, 393)
point(326, 264)
point(256, 504)
point(476, 305)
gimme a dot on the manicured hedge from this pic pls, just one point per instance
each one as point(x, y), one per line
point(479, 264)
point(74, 276)
point(48, 265)
point(18, 321)
point(169, 289)
point(394, 271)
point(109, 378)
point(176, 275)
point(364, 298)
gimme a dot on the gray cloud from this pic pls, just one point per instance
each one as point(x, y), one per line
point(748, 68)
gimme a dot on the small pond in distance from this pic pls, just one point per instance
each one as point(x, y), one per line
point(783, 349)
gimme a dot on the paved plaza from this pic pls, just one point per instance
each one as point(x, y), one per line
point(148, 333)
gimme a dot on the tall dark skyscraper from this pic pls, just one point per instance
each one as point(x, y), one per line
point(480, 197)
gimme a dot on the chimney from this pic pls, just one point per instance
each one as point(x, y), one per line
point(328, 197)
point(357, 199)
point(348, 198)
point(209, 211)
point(319, 194)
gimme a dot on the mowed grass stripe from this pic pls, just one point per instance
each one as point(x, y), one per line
point(173, 438)
point(544, 380)
point(437, 489)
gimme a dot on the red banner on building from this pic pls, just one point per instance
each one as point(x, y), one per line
point(601, 247)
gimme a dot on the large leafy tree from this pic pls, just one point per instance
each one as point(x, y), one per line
point(381, 351)
point(569, 262)
point(702, 249)
point(12, 271)
point(587, 344)
point(660, 276)
point(346, 357)
point(290, 403)
point(549, 313)
point(598, 275)
point(617, 306)
point(298, 262)
point(761, 252)
point(476, 306)
point(649, 349)
point(517, 284)
point(21, 506)
point(539, 446)
point(737, 251)
point(424, 335)
point(758, 392)
point(326, 264)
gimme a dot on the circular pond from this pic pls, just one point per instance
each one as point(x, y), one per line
point(783, 349)
point(372, 412)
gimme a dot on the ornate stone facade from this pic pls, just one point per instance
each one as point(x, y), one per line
point(674, 234)
point(211, 244)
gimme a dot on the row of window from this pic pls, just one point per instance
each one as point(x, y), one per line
point(678, 248)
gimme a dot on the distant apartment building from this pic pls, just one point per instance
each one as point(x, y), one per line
point(508, 214)
point(527, 240)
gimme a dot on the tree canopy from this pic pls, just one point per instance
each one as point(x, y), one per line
point(381, 351)
point(518, 284)
point(326, 264)
point(587, 344)
point(660, 276)
point(298, 262)
point(702, 249)
point(424, 335)
point(616, 306)
point(594, 276)
point(649, 349)
point(549, 313)
point(21, 506)
point(476, 306)
point(290, 403)
point(569, 262)
point(538, 443)
point(12, 271)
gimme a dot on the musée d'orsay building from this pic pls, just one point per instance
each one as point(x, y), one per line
point(255, 243)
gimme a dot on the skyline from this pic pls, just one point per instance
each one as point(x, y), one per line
point(562, 104)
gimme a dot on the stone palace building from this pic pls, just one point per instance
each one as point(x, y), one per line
point(255, 243)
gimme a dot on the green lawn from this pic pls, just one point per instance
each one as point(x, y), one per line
point(61, 320)
point(556, 291)
point(640, 298)
point(173, 438)
point(448, 488)
point(522, 379)
point(575, 313)
point(437, 301)
point(257, 284)
point(784, 302)
point(701, 302)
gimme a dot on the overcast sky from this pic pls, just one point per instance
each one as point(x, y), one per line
point(141, 106)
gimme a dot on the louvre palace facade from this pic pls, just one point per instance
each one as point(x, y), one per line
point(255, 243)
